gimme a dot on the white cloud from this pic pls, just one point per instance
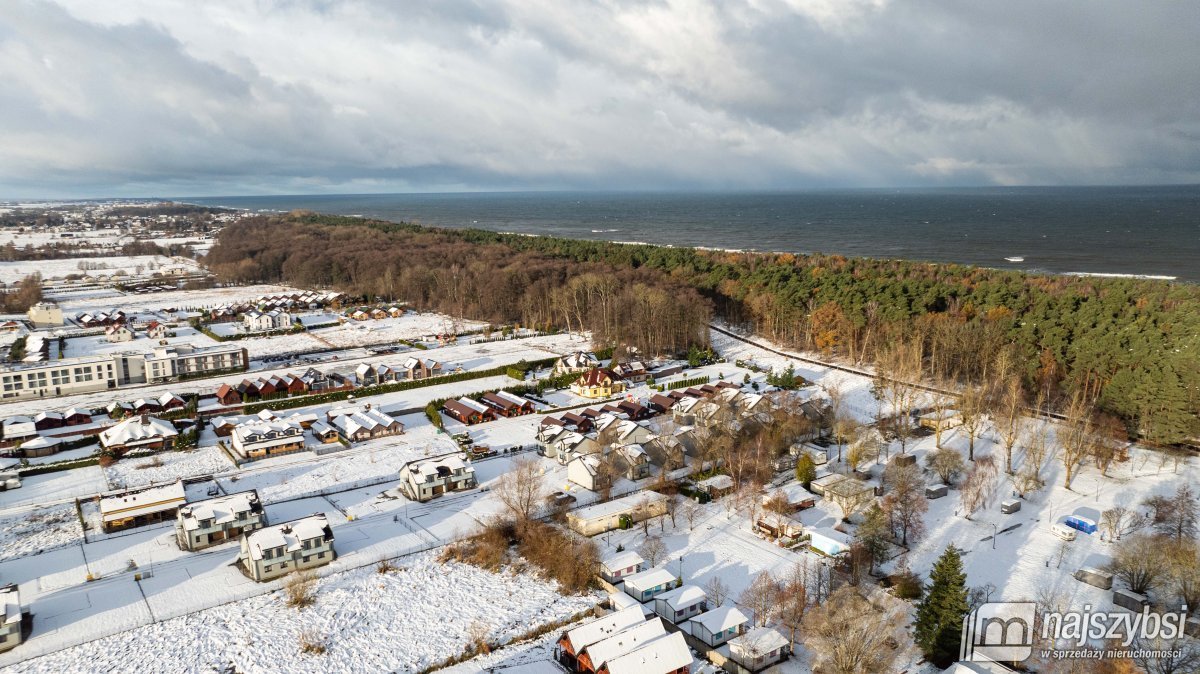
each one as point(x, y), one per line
point(224, 96)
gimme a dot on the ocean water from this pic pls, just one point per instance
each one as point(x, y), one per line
point(1148, 231)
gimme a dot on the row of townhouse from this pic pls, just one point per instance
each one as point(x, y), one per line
point(490, 406)
point(412, 369)
point(265, 321)
point(266, 551)
point(109, 371)
point(311, 381)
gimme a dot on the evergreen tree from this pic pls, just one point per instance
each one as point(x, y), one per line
point(938, 627)
point(873, 535)
point(806, 470)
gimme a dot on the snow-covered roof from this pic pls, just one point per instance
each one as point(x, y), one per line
point(648, 579)
point(137, 430)
point(758, 642)
point(512, 398)
point(621, 560)
point(122, 505)
point(365, 420)
point(220, 510)
point(616, 506)
point(431, 467)
point(601, 628)
point(664, 654)
point(682, 597)
point(289, 535)
point(721, 618)
point(40, 442)
point(625, 642)
point(716, 482)
point(795, 493)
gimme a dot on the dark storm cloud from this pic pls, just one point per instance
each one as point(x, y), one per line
point(177, 98)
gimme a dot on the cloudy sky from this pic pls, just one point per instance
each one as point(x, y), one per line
point(221, 97)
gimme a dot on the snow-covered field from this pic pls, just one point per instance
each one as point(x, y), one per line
point(408, 327)
point(405, 620)
point(97, 344)
point(167, 466)
point(38, 530)
point(94, 266)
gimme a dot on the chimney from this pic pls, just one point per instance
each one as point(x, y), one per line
point(145, 419)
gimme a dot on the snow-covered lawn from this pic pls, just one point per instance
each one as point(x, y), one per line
point(52, 487)
point(39, 530)
point(414, 616)
point(167, 466)
point(408, 327)
point(97, 344)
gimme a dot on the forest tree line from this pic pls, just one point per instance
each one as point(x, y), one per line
point(439, 270)
point(1131, 345)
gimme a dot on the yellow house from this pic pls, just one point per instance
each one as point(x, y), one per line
point(597, 382)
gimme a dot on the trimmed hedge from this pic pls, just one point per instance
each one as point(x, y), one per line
point(56, 467)
point(684, 383)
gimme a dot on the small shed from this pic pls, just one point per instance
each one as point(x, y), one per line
point(936, 491)
point(828, 542)
point(1095, 577)
point(1010, 506)
point(1131, 600)
point(1078, 523)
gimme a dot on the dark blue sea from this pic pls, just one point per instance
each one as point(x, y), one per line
point(1148, 231)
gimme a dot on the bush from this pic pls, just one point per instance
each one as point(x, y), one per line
point(312, 642)
point(301, 589)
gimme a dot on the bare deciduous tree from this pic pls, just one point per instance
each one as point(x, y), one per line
point(521, 489)
point(653, 550)
point(978, 486)
point(760, 597)
point(1132, 564)
point(692, 510)
point(974, 416)
point(717, 590)
point(905, 503)
point(947, 463)
point(847, 635)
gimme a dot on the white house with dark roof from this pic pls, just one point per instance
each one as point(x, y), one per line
point(216, 520)
point(279, 549)
point(580, 361)
point(429, 478)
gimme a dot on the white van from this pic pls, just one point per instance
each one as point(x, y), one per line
point(1064, 532)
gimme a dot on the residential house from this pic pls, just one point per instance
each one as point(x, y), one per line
point(580, 361)
point(468, 411)
point(325, 433)
point(19, 428)
point(263, 439)
point(258, 321)
point(118, 333)
point(631, 462)
point(597, 382)
point(169, 401)
point(590, 471)
point(791, 497)
point(146, 406)
point(634, 411)
point(45, 314)
point(684, 410)
point(45, 421)
point(366, 425)
point(372, 374)
point(616, 566)
point(759, 648)
point(665, 655)
point(213, 521)
point(595, 656)
point(681, 604)
point(277, 550)
point(665, 451)
point(223, 426)
point(421, 368)
point(646, 585)
point(41, 446)
point(228, 395)
point(574, 641)
point(624, 511)
point(138, 507)
point(429, 478)
point(660, 403)
point(566, 446)
point(716, 486)
point(577, 422)
point(507, 404)
point(719, 625)
point(138, 432)
point(156, 330)
point(77, 416)
point(633, 371)
point(10, 597)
